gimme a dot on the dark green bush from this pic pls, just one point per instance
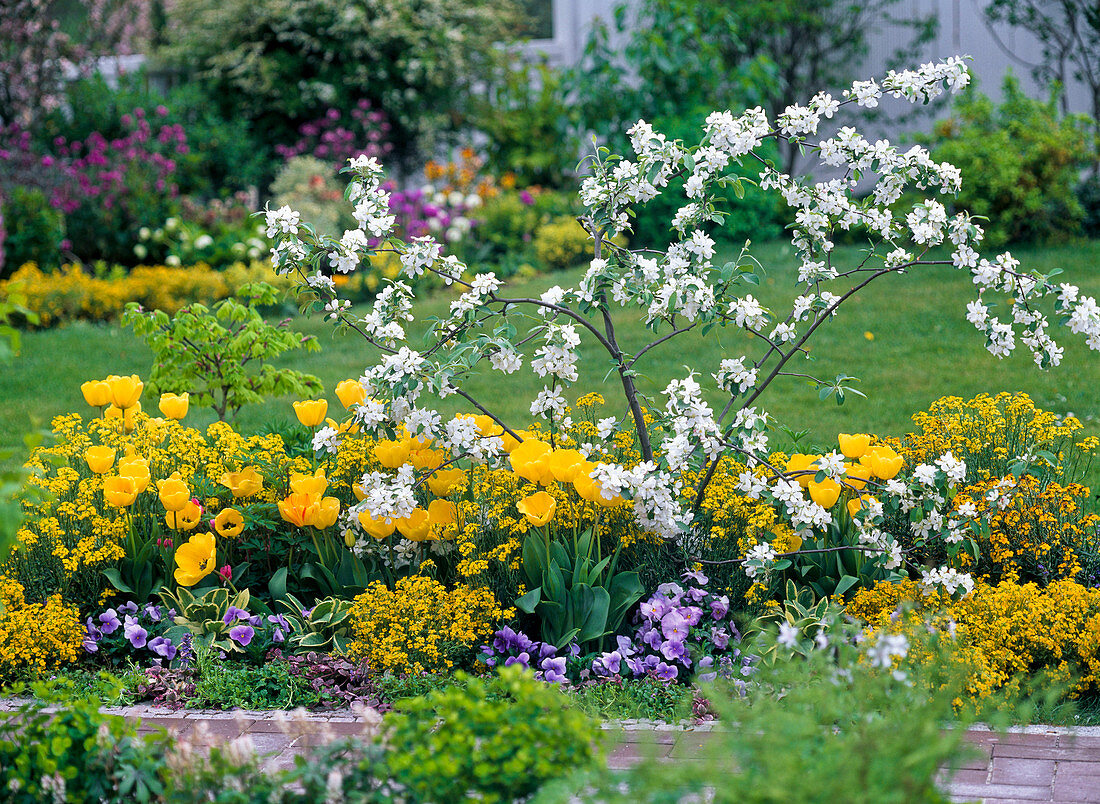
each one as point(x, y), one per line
point(1021, 162)
point(34, 230)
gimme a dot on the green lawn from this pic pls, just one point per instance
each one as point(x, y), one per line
point(922, 348)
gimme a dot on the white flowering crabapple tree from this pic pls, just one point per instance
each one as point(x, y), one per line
point(678, 290)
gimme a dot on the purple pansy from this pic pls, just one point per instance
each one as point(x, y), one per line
point(242, 634)
point(109, 622)
point(135, 633)
point(234, 613)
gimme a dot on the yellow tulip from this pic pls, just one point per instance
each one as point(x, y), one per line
point(349, 539)
point(299, 509)
point(416, 527)
point(97, 393)
point(442, 514)
point(136, 468)
point(802, 463)
point(853, 446)
point(857, 475)
point(391, 454)
point(244, 483)
point(538, 508)
point(427, 458)
point(510, 442)
point(315, 484)
point(229, 523)
point(565, 463)
point(195, 559)
point(379, 529)
point(885, 463)
point(360, 492)
point(855, 505)
point(328, 511)
point(311, 412)
point(174, 494)
point(443, 481)
point(120, 491)
point(825, 493)
point(187, 518)
point(350, 392)
point(174, 406)
point(128, 416)
point(99, 459)
point(125, 391)
point(531, 461)
point(487, 426)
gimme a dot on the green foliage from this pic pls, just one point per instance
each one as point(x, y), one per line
point(75, 753)
point(577, 594)
point(268, 686)
point(279, 63)
point(802, 610)
point(463, 740)
point(220, 355)
point(1088, 196)
point(34, 229)
point(531, 126)
point(830, 726)
point(325, 629)
point(562, 243)
point(1021, 161)
point(307, 185)
point(204, 617)
point(645, 699)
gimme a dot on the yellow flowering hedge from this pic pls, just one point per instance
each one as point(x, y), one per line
point(72, 293)
point(36, 638)
point(420, 626)
point(1003, 632)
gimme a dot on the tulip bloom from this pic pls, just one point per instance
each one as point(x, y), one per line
point(531, 461)
point(802, 463)
point(99, 459)
point(174, 494)
point(487, 426)
point(229, 523)
point(97, 393)
point(300, 509)
point(825, 493)
point(120, 491)
point(853, 446)
point(443, 481)
point(350, 392)
point(328, 511)
point(441, 514)
point(174, 406)
point(128, 417)
point(244, 483)
point(427, 458)
point(857, 475)
point(416, 527)
point(315, 484)
point(137, 468)
point(125, 391)
point(379, 529)
point(855, 505)
point(187, 518)
point(885, 463)
point(538, 508)
point(391, 454)
point(311, 412)
point(195, 559)
point(565, 464)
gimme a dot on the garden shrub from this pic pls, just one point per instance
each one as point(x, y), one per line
point(499, 739)
point(1088, 196)
point(562, 243)
point(420, 626)
point(74, 294)
point(36, 637)
point(1021, 161)
point(1004, 633)
point(35, 231)
point(307, 183)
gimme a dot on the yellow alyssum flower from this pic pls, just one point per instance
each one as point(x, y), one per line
point(120, 491)
point(174, 406)
point(538, 508)
point(99, 459)
point(97, 393)
point(187, 518)
point(195, 559)
point(173, 492)
point(229, 523)
point(311, 412)
point(350, 392)
point(245, 483)
point(125, 391)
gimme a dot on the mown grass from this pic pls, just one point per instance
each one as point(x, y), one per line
point(906, 338)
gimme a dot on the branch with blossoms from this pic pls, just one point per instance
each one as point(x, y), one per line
point(678, 290)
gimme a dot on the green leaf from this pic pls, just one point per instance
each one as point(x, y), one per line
point(527, 603)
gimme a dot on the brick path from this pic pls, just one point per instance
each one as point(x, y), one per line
point(1038, 763)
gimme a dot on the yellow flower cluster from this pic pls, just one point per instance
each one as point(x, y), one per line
point(35, 638)
point(421, 626)
point(1003, 633)
point(71, 293)
point(1039, 535)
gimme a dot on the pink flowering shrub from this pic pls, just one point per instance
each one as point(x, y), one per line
point(328, 139)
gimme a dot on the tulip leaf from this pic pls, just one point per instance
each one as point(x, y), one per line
point(527, 603)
